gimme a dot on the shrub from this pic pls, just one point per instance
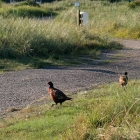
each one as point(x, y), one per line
point(26, 11)
point(28, 2)
point(134, 4)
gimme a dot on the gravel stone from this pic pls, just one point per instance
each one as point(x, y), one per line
point(20, 88)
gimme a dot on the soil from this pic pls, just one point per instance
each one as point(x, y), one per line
point(18, 89)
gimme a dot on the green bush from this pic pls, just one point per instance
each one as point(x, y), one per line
point(25, 11)
point(28, 2)
point(134, 4)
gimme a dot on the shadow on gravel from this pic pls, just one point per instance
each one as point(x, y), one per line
point(101, 71)
point(80, 68)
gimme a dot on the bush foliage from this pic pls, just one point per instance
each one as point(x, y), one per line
point(134, 4)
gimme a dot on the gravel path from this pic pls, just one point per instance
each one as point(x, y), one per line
point(18, 89)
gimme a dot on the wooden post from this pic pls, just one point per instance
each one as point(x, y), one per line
point(78, 17)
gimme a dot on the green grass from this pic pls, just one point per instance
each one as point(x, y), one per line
point(36, 62)
point(32, 39)
point(106, 112)
point(23, 35)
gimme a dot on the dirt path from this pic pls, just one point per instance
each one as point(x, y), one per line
point(131, 44)
point(18, 89)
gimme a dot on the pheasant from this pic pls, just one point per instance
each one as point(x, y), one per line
point(57, 95)
point(123, 79)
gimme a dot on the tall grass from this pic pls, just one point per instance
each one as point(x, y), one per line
point(117, 20)
point(36, 37)
point(107, 112)
point(21, 36)
point(114, 20)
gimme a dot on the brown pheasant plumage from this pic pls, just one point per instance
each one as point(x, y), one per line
point(57, 95)
point(123, 79)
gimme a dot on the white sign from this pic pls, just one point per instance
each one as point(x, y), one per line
point(84, 18)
